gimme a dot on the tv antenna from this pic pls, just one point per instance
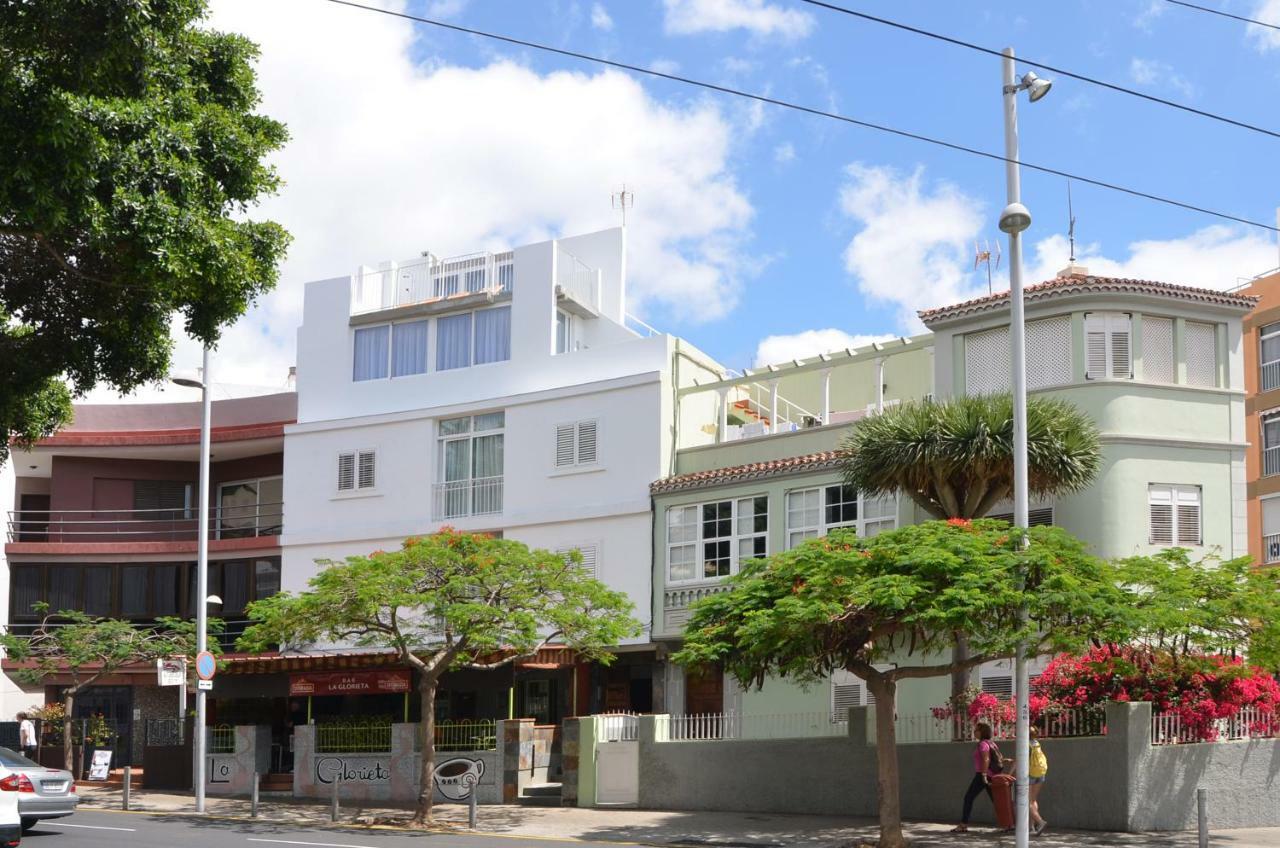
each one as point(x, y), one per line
point(984, 256)
point(623, 200)
point(1071, 225)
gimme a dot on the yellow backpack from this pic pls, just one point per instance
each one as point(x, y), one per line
point(1039, 762)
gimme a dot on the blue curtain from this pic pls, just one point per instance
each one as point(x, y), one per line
point(453, 342)
point(409, 349)
point(493, 335)
point(371, 353)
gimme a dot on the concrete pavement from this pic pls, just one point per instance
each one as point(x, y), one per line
point(591, 826)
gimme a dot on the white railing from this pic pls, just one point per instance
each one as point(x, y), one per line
point(578, 280)
point(1271, 460)
point(617, 727)
point(676, 603)
point(1270, 375)
point(639, 327)
point(1271, 548)
point(727, 726)
point(430, 278)
point(756, 400)
point(1248, 723)
point(460, 498)
point(925, 727)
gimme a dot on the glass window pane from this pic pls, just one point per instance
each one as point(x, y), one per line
point(493, 335)
point(680, 562)
point(238, 510)
point(453, 426)
point(682, 524)
point(457, 460)
point(64, 587)
point(409, 349)
point(133, 591)
point(842, 504)
point(235, 587)
point(270, 506)
point(562, 331)
point(488, 456)
point(165, 589)
point(453, 342)
point(716, 558)
point(266, 578)
point(28, 588)
point(370, 353)
point(97, 590)
point(490, 421)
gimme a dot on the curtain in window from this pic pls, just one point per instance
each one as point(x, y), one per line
point(409, 349)
point(453, 342)
point(457, 460)
point(493, 335)
point(266, 578)
point(371, 353)
point(237, 510)
point(97, 590)
point(64, 587)
point(27, 589)
point(165, 582)
point(235, 587)
point(133, 591)
point(488, 456)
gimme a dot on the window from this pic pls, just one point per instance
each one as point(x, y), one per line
point(250, 508)
point(1200, 342)
point(815, 512)
point(1041, 516)
point(370, 353)
point(1269, 358)
point(1049, 352)
point(590, 554)
point(1106, 347)
point(174, 498)
point(409, 348)
point(564, 331)
point(357, 470)
point(471, 465)
point(999, 685)
point(1158, 362)
point(1270, 444)
point(576, 444)
point(846, 692)
point(453, 342)
point(1175, 514)
point(1271, 530)
point(711, 540)
point(986, 362)
point(493, 335)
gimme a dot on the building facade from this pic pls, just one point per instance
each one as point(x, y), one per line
point(1262, 417)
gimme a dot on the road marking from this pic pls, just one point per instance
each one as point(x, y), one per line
point(324, 844)
point(89, 826)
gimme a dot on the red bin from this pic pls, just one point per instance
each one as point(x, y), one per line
point(1002, 798)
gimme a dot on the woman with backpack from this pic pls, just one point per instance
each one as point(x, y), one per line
point(1037, 771)
point(987, 763)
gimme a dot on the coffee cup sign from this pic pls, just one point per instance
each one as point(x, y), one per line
point(457, 778)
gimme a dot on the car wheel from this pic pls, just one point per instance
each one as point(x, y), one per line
point(27, 824)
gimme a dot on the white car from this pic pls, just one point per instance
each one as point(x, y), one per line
point(10, 820)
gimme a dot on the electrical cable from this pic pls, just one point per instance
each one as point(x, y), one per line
point(1253, 21)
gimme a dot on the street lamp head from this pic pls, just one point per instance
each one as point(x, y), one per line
point(1014, 219)
point(189, 378)
point(213, 599)
point(1036, 87)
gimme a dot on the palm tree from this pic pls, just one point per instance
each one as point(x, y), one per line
point(955, 458)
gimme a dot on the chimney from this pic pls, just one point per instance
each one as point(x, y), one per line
point(291, 381)
point(1073, 270)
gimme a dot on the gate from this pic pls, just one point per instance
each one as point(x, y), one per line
point(167, 759)
point(617, 759)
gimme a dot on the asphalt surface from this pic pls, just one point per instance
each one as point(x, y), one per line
point(89, 828)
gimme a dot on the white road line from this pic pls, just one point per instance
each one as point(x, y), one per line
point(88, 826)
point(323, 844)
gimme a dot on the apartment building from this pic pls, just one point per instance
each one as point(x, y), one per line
point(102, 518)
point(1159, 367)
point(1262, 416)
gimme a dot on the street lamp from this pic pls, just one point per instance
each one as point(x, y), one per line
point(202, 563)
point(1014, 220)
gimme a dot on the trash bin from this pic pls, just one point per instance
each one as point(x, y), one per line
point(1002, 798)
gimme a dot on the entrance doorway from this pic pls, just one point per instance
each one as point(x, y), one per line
point(115, 705)
point(703, 690)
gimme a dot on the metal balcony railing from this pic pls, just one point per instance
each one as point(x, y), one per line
point(460, 498)
point(1271, 460)
point(431, 278)
point(1270, 375)
point(1271, 548)
point(578, 280)
point(143, 525)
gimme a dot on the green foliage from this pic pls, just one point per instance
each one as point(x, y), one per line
point(955, 457)
point(841, 602)
point(133, 156)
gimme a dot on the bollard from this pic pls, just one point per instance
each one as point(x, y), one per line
point(333, 814)
point(128, 784)
point(1202, 816)
point(253, 799)
point(471, 807)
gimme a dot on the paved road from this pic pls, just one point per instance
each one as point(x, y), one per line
point(91, 829)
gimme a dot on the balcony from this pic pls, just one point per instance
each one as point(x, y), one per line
point(577, 285)
point(1271, 548)
point(143, 525)
point(463, 498)
point(455, 281)
point(677, 600)
point(1270, 460)
point(1270, 376)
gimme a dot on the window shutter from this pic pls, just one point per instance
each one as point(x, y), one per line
point(346, 472)
point(367, 472)
point(1121, 362)
point(586, 442)
point(1000, 686)
point(564, 445)
point(1188, 516)
point(1095, 347)
point(844, 696)
point(1202, 354)
point(1160, 504)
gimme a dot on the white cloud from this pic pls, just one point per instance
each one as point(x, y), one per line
point(1153, 10)
point(1157, 74)
point(914, 248)
point(784, 153)
point(1265, 38)
point(388, 158)
point(600, 18)
point(688, 17)
point(773, 350)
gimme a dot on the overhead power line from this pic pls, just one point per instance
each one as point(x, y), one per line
point(1051, 68)
point(808, 110)
point(1221, 13)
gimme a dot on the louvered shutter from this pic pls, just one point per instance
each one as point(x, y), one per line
point(1001, 686)
point(346, 472)
point(1107, 349)
point(368, 475)
point(564, 445)
point(1160, 506)
point(590, 555)
point(1188, 518)
point(586, 442)
point(1095, 347)
point(844, 696)
point(1121, 360)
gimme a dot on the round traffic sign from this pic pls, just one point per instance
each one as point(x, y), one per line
point(206, 665)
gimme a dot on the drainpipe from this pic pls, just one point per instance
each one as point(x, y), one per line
point(826, 396)
point(879, 385)
point(722, 429)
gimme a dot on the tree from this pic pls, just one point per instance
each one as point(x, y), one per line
point(445, 601)
point(134, 155)
point(88, 648)
point(841, 602)
point(954, 458)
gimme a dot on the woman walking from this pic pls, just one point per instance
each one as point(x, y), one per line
point(987, 763)
point(1037, 771)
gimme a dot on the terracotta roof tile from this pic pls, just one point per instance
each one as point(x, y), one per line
point(1074, 284)
point(820, 461)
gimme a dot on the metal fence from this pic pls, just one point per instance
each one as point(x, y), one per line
point(720, 726)
point(165, 732)
point(1059, 724)
point(143, 525)
point(459, 498)
point(617, 727)
point(467, 735)
point(1248, 723)
point(222, 739)
point(353, 738)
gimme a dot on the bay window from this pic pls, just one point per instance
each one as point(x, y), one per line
point(709, 541)
point(816, 511)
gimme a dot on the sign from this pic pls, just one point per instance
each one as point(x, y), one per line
point(206, 665)
point(171, 672)
point(101, 766)
point(457, 778)
point(382, 682)
point(204, 685)
point(220, 769)
point(366, 770)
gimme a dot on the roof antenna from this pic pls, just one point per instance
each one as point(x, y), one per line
point(983, 256)
point(1071, 226)
point(623, 200)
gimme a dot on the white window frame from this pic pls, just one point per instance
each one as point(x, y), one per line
point(470, 435)
point(391, 349)
point(1267, 333)
point(356, 487)
point(1110, 324)
point(569, 328)
point(823, 527)
point(1172, 495)
point(577, 432)
point(699, 542)
point(1269, 461)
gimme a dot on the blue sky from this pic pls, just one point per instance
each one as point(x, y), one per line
point(753, 222)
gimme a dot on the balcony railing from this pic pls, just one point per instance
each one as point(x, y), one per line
point(576, 279)
point(1271, 460)
point(143, 525)
point(1270, 375)
point(1271, 548)
point(460, 498)
point(430, 278)
point(677, 600)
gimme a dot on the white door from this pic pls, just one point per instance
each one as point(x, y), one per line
point(618, 773)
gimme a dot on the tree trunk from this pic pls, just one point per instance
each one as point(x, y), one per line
point(888, 802)
point(962, 676)
point(68, 706)
point(427, 737)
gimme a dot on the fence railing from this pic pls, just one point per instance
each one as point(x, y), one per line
point(926, 727)
point(617, 727)
point(143, 525)
point(459, 498)
point(430, 278)
point(165, 732)
point(467, 735)
point(1248, 723)
point(578, 280)
point(721, 726)
point(639, 327)
point(222, 739)
point(756, 400)
point(351, 739)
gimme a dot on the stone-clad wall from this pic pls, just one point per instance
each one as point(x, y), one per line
point(232, 774)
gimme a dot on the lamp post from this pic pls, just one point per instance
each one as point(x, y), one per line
point(202, 565)
point(1014, 219)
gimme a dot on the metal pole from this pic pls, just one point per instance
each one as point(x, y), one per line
point(253, 799)
point(333, 812)
point(471, 807)
point(202, 577)
point(1017, 348)
point(1202, 816)
point(128, 779)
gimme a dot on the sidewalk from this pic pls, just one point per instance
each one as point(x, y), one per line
point(706, 830)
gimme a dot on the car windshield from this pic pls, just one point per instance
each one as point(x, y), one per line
point(13, 759)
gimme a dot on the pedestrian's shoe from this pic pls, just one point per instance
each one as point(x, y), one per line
point(1040, 827)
